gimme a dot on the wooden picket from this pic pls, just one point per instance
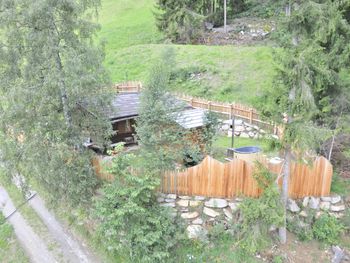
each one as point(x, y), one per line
point(215, 179)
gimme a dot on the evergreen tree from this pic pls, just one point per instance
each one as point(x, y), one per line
point(308, 80)
point(51, 75)
point(160, 137)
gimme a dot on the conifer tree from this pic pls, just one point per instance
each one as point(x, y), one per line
point(308, 79)
point(51, 78)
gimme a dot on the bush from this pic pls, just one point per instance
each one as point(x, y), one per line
point(131, 221)
point(327, 229)
point(260, 214)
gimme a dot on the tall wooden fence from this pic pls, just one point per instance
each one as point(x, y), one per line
point(215, 179)
point(238, 110)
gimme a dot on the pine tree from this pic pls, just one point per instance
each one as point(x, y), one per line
point(308, 79)
point(51, 75)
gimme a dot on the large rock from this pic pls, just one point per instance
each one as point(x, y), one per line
point(337, 208)
point(171, 196)
point(335, 199)
point(292, 206)
point(306, 201)
point(314, 202)
point(160, 199)
point(199, 198)
point(234, 206)
point(228, 213)
point(191, 215)
point(303, 214)
point(325, 206)
point(185, 197)
point(326, 198)
point(196, 231)
point(168, 204)
point(195, 203)
point(216, 203)
point(169, 200)
point(210, 212)
point(183, 203)
point(198, 221)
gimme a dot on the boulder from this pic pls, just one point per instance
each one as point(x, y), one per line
point(292, 206)
point(198, 221)
point(183, 203)
point(210, 212)
point(326, 198)
point(160, 199)
point(199, 198)
point(239, 129)
point(335, 199)
point(325, 206)
point(314, 202)
point(168, 204)
point(303, 214)
point(185, 197)
point(234, 206)
point(306, 201)
point(216, 203)
point(190, 215)
point(171, 196)
point(195, 203)
point(196, 231)
point(337, 208)
point(168, 200)
point(228, 213)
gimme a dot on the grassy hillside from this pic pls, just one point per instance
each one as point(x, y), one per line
point(133, 44)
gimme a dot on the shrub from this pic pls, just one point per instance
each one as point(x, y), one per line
point(131, 221)
point(327, 229)
point(259, 214)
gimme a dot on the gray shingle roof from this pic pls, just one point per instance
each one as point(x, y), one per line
point(126, 105)
point(191, 118)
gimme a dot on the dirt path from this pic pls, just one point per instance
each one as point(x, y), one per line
point(73, 250)
point(34, 246)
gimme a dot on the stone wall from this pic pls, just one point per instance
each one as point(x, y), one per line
point(242, 129)
point(200, 213)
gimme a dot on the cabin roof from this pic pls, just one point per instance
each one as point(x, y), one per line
point(126, 106)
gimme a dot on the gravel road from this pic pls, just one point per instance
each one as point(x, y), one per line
point(34, 246)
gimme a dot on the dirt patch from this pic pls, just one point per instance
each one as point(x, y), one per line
point(242, 31)
point(295, 251)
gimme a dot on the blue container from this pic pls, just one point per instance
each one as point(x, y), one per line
point(247, 150)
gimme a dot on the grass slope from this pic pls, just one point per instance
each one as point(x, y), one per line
point(133, 44)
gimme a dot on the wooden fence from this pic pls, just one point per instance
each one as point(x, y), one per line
point(240, 111)
point(215, 179)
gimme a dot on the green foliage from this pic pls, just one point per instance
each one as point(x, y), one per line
point(51, 74)
point(260, 214)
point(131, 221)
point(178, 20)
point(327, 229)
point(302, 227)
point(210, 130)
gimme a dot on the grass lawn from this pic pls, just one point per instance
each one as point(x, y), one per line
point(133, 44)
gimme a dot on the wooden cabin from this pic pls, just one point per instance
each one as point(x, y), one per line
point(125, 111)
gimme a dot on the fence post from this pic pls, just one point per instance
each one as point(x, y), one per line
point(251, 116)
point(191, 101)
point(209, 105)
point(231, 110)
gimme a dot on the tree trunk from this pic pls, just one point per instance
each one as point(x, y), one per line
point(64, 96)
point(284, 194)
point(225, 16)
